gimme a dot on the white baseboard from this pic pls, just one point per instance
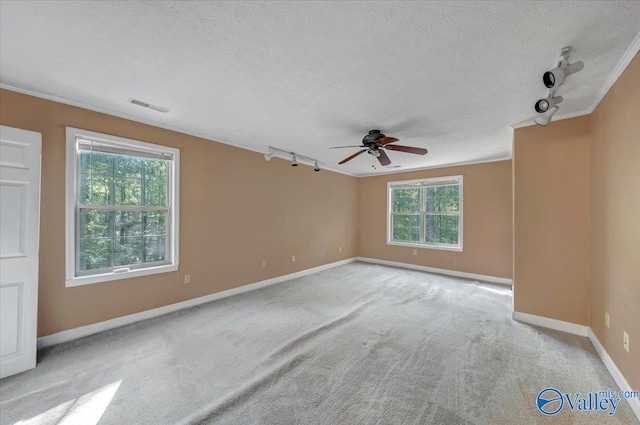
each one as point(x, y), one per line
point(82, 331)
point(545, 322)
point(455, 273)
point(615, 372)
point(581, 330)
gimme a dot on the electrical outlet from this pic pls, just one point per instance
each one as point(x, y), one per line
point(340, 249)
point(415, 252)
point(264, 263)
point(187, 278)
point(606, 319)
point(625, 341)
point(293, 258)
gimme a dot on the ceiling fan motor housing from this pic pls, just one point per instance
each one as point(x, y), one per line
point(372, 137)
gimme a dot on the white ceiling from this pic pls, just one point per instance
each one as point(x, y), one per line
point(449, 76)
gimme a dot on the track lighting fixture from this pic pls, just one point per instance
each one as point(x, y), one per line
point(280, 153)
point(554, 78)
point(544, 119)
point(543, 105)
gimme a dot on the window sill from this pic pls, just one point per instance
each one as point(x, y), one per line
point(425, 246)
point(106, 277)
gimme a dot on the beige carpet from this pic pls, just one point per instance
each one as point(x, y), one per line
point(357, 344)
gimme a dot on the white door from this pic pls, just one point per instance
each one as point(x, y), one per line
point(19, 225)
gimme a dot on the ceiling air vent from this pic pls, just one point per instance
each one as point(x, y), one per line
point(148, 105)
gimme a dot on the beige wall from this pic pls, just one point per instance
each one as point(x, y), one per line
point(486, 219)
point(236, 210)
point(615, 221)
point(552, 170)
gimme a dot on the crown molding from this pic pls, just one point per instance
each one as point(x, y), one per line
point(434, 167)
point(624, 61)
point(107, 111)
point(529, 123)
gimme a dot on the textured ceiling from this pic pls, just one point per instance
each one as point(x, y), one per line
point(449, 76)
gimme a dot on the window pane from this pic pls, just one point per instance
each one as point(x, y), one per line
point(96, 163)
point(95, 224)
point(128, 223)
point(406, 228)
point(406, 200)
point(154, 248)
point(155, 169)
point(95, 189)
point(442, 198)
point(127, 191)
point(155, 193)
point(127, 251)
point(85, 158)
point(441, 229)
point(95, 253)
point(128, 166)
point(155, 223)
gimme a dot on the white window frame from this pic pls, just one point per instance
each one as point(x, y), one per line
point(423, 183)
point(72, 172)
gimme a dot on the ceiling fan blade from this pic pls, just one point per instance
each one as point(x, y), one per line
point(408, 149)
point(386, 140)
point(383, 158)
point(354, 146)
point(351, 157)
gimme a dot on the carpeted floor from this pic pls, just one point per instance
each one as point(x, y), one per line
point(357, 344)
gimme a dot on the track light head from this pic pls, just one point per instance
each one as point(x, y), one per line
point(554, 78)
point(316, 168)
point(268, 156)
point(294, 161)
point(543, 105)
point(545, 119)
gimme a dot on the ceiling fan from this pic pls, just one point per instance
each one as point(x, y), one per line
point(375, 142)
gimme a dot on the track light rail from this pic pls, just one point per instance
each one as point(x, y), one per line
point(295, 157)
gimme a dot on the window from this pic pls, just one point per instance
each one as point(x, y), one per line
point(426, 213)
point(122, 208)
